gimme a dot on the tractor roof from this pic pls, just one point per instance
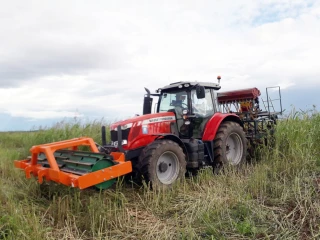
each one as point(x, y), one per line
point(183, 85)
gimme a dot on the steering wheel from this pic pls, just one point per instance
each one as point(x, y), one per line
point(184, 104)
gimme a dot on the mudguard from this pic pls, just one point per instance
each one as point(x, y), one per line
point(175, 139)
point(214, 122)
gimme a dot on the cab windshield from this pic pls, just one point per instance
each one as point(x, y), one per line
point(171, 100)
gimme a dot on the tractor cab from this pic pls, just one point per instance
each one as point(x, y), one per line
point(193, 104)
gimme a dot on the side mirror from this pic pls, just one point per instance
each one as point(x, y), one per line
point(201, 93)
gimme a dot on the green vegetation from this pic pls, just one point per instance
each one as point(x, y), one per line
point(275, 197)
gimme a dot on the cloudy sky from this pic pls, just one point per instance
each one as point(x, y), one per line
point(91, 59)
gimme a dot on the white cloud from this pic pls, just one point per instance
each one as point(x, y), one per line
point(44, 114)
point(63, 58)
point(285, 84)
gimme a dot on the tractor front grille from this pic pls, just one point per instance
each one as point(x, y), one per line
point(124, 134)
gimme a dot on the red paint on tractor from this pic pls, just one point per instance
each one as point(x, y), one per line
point(139, 119)
point(237, 95)
point(214, 123)
point(157, 123)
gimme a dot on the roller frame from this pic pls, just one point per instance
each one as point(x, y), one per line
point(55, 174)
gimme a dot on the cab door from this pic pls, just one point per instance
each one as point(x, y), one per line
point(203, 109)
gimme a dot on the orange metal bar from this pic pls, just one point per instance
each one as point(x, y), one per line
point(49, 149)
point(54, 174)
point(103, 175)
point(119, 156)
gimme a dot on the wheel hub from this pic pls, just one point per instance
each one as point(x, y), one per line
point(163, 167)
point(234, 149)
point(167, 167)
point(228, 148)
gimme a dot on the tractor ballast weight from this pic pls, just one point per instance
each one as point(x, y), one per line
point(81, 169)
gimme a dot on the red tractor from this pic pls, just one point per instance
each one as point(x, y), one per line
point(192, 127)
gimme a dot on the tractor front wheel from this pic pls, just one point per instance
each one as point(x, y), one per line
point(162, 163)
point(230, 145)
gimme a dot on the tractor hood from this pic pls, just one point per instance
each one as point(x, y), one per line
point(144, 120)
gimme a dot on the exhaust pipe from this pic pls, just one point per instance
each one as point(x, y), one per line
point(103, 136)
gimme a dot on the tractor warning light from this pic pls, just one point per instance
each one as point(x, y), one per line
point(219, 78)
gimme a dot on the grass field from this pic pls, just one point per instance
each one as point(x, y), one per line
point(275, 197)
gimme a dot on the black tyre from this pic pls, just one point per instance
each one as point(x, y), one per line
point(162, 163)
point(230, 145)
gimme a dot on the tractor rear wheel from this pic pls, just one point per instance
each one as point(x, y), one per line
point(162, 163)
point(230, 145)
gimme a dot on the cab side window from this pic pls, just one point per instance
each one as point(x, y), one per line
point(203, 107)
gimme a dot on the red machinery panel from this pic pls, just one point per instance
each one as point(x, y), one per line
point(238, 95)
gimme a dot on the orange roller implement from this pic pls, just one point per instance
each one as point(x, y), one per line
point(53, 173)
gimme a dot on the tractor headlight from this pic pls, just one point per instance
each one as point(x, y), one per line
point(126, 126)
point(145, 129)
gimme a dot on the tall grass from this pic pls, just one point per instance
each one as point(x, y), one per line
point(275, 197)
